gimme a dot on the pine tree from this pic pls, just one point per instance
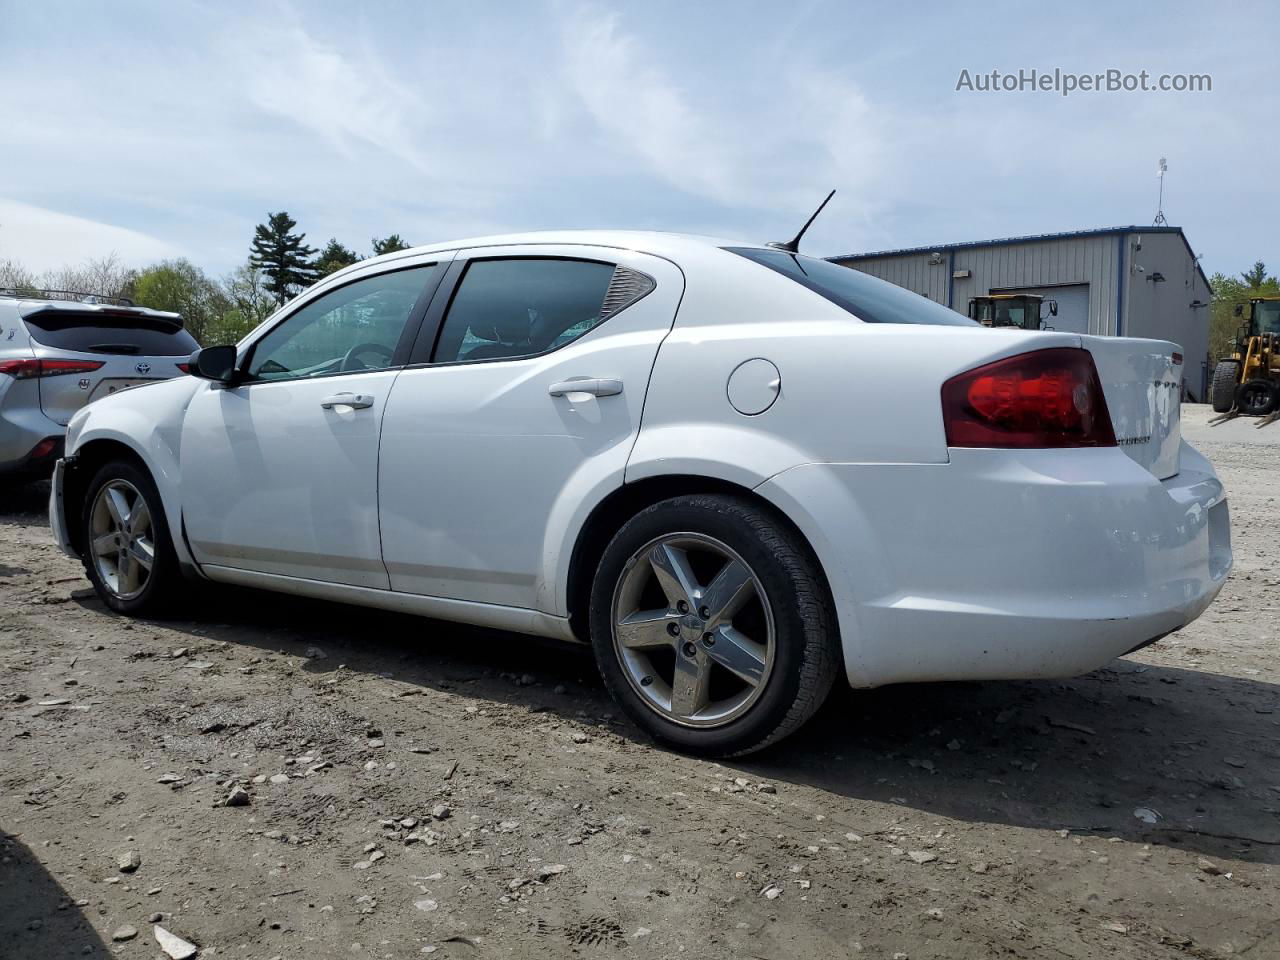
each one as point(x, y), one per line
point(390, 245)
point(282, 256)
point(334, 257)
point(1255, 276)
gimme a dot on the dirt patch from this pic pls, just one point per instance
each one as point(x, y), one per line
point(417, 788)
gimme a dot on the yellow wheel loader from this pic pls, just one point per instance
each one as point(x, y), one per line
point(1027, 311)
point(1248, 382)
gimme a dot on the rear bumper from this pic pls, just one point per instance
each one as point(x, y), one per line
point(22, 431)
point(38, 461)
point(1009, 564)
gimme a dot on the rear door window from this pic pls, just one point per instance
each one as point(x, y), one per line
point(128, 336)
point(509, 308)
point(868, 298)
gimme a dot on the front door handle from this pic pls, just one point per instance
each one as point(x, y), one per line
point(356, 401)
point(593, 386)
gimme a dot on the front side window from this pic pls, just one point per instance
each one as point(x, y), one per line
point(356, 327)
point(868, 298)
point(522, 307)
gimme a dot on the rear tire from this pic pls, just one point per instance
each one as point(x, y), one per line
point(1257, 398)
point(124, 529)
point(738, 660)
point(1222, 392)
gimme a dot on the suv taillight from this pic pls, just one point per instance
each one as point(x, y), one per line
point(30, 367)
point(1046, 398)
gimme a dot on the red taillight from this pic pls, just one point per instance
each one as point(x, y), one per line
point(184, 367)
point(30, 367)
point(1046, 398)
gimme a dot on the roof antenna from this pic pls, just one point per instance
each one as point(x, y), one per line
point(793, 245)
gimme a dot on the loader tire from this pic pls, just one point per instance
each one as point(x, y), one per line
point(1222, 393)
point(1257, 398)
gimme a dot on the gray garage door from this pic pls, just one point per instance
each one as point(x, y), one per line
point(1073, 305)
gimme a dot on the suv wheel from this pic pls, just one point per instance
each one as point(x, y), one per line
point(127, 551)
point(712, 626)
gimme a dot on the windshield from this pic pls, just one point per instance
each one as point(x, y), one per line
point(1266, 316)
point(868, 298)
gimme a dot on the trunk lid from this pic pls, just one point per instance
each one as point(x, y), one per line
point(1142, 381)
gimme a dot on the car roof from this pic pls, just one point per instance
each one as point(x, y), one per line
point(659, 243)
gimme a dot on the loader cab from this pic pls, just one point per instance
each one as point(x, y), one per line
point(1262, 316)
point(1026, 311)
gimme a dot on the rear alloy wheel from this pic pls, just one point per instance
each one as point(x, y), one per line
point(712, 626)
point(703, 655)
point(1257, 398)
point(127, 551)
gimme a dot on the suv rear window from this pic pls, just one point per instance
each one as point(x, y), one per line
point(868, 298)
point(131, 336)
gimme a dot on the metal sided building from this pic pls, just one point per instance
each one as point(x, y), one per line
point(1117, 281)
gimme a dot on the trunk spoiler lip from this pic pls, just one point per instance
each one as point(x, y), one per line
point(98, 311)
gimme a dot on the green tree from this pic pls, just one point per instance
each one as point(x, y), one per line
point(182, 287)
point(249, 303)
point(281, 254)
point(334, 257)
point(390, 245)
point(1255, 276)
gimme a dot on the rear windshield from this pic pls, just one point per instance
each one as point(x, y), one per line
point(868, 298)
point(131, 336)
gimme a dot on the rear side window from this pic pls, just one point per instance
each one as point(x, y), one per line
point(868, 298)
point(522, 307)
point(130, 336)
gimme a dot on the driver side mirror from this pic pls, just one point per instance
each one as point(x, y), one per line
point(215, 363)
point(1053, 308)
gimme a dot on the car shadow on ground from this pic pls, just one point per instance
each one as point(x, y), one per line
point(38, 921)
point(1149, 754)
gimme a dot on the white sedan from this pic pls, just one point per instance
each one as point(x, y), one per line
point(736, 471)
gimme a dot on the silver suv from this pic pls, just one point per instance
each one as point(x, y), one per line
point(59, 351)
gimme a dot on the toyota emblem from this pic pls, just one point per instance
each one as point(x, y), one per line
point(143, 368)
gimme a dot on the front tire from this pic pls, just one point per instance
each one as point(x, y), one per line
point(128, 553)
point(1222, 392)
point(712, 625)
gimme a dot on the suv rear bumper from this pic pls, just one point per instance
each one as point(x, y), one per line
point(22, 429)
point(1009, 564)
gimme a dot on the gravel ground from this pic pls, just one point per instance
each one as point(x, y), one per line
point(416, 788)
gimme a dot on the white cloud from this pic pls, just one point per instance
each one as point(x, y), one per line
point(43, 239)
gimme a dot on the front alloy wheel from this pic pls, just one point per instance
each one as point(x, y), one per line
point(124, 540)
point(121, 544)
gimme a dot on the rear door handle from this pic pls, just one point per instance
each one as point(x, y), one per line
point(594, 386)
point(356, 401)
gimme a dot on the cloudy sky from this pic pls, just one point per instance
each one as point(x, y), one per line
point(171, 128)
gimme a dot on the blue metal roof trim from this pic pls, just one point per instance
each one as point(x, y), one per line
point(1034, 238)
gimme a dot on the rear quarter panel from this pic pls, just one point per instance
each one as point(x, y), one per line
point(851, 392)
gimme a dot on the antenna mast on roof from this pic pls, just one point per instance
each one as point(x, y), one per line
point(1160, 221)
point(793, 245)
